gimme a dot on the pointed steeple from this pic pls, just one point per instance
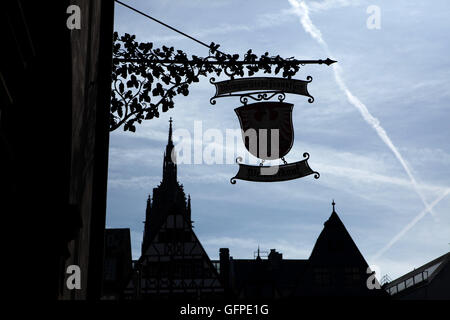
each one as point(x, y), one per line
point(170, 142)
point(258, 257)
point(169, 164)
point(149, 201)
point(336, 267)
point(148, 212)
point(168, 197)
point(334, 218)
point(335, 245)
point(188, 209)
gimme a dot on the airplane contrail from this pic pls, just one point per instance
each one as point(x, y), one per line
point(302, 10)
point(409, 226)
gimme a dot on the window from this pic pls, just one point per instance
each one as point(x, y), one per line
point(393, 290)
point(351, 276)
point(110, 269)
point(151, 270)
point(322, 276)
point(409, 282)
point(217, 266)
point(418, 277)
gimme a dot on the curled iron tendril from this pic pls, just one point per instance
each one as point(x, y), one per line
point(165, 72)
point(243, 100)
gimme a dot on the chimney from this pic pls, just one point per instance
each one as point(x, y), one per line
point(224, 256)
point(275, 257)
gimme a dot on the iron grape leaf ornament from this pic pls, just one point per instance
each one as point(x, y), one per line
point(146, 80)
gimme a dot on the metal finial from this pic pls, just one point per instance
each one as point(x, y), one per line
point(170, 130)
point(333, 204)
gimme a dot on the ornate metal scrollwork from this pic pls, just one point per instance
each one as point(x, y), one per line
point(212, 100)
point(238, 160)
point(261, 96)
point(306, 157)
point(283, 172)
point(146, 79)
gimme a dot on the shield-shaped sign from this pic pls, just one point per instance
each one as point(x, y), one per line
point(267, 128)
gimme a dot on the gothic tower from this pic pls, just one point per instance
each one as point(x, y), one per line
point(168, 197)
point(173, 263)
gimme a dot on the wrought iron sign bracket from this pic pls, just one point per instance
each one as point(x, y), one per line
point(327, 61)
point(145, 79)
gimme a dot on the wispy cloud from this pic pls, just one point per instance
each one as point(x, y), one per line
point(360, 169)
point(261, 21)
point(375, 197)
point(140, 182)
point(302, 10)
point(411, 224)
point(332, 4)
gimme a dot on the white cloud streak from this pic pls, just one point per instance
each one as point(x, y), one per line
point(409, 226)
point(302, 10)
point(331, 4)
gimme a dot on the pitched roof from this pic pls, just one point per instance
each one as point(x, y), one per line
point(335, 246)
point(425, 274)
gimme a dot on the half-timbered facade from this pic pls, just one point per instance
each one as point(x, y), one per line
point(173, 263)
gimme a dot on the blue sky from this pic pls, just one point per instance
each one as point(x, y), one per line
point(378, 131)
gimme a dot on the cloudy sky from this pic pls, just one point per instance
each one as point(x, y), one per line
point(378, 131)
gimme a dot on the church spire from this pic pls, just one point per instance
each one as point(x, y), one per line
point(170, 142)
point(148, 212)
point(188, 209)
point(169, 165)
point(258, 257)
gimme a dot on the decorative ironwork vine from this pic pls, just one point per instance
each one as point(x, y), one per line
point(146, 79)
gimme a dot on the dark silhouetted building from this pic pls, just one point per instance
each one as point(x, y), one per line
point(173, 263)
point(55, 91)
point(117, 263)
point(429, 282)
point(336, 267)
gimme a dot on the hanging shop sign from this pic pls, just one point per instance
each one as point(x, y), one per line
point(267, 128)
point(275, 86)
